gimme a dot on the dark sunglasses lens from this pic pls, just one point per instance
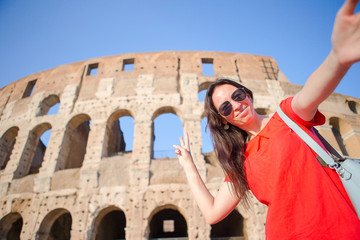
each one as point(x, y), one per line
point(225, 109)
point(239, 95)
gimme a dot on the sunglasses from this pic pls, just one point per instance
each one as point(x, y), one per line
point(226, 107)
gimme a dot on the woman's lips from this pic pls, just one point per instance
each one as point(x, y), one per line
point(240, 110)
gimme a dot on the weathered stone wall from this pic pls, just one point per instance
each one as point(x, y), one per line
point(81, 181)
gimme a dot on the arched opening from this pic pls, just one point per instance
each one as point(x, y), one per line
point(119, 133)
point(49, 106)
point(202, 91)
point(40, 152)
point(336, 129)
point(201, 95)
point(10, 226)
point(168, 223)
point(167, 128)
point(232, 227)
point(54, 109)
point(262, 111)
point(7, 142)
point(56, 225)
point(207, 145)
point(110, 224)
point(74, 144)
point(34, 151)
point(354, 107)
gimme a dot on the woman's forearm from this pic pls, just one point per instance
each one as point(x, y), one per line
point(213, 208)
point(202, 196)
point(321, 83)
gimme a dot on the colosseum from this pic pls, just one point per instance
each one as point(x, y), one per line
point(85, 184)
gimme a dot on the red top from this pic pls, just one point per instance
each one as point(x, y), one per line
point(305, 200)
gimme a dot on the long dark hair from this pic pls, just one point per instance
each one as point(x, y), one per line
point(230, 143)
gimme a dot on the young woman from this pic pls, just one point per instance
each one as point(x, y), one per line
point(261, 153)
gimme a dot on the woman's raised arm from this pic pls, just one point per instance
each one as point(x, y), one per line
point(213, 208)
point(345, 52)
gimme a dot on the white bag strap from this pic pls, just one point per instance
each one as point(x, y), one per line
point(307, 139)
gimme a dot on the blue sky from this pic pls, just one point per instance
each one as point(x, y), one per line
point(36, 35)
point(40, 34)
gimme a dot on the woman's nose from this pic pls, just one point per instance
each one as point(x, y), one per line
point(235, 105)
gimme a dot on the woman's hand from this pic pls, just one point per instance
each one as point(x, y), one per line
point(346, 51)
point(213, 209)
point(346, 34)
point(183, 152)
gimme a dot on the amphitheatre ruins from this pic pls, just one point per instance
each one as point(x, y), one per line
point(85, 184)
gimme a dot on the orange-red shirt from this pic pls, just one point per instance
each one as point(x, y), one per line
point(305, 200)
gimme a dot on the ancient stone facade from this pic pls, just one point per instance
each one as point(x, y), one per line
point(84, 185)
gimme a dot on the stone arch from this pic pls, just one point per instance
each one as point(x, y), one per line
point(167, 109)
point(263, 111)
point(168, 126)
point(340, 128)
point(114, 137)
point(202, 90)
point(167, 222)
point(48, 103)
point(73, 147)
point(10, 226)
point(110, 223)
point(7, 142)
point(205, 85)
point(55, 225)
point(230, 227)
point(33, 153)
point(353, 106)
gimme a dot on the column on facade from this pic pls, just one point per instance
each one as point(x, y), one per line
point(14, 162)
point(352, 141)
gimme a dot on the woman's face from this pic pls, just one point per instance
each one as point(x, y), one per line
point(242, 112)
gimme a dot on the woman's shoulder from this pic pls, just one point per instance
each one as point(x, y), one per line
point(286, 106)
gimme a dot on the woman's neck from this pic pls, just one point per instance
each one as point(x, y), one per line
point(257, 125)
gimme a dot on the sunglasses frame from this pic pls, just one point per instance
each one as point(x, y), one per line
point(235, 98)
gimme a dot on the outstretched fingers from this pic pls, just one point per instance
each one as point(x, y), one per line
point(181, 148)
point(187, 141)
point(177, 150)
point(184, 145)
point(348, 7)
point(346, 34)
